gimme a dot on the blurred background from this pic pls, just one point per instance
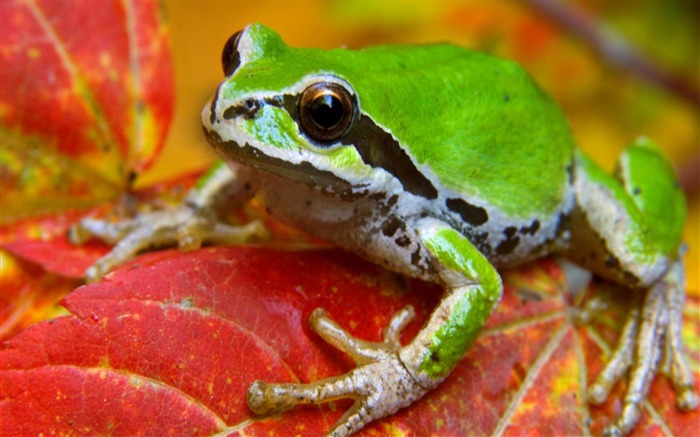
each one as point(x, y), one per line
point(619, 69)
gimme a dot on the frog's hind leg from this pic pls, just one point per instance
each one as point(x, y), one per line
point(628, 230)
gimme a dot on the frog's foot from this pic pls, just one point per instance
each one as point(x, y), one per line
point(649, 337)
point(380, 385)
point(187, 227)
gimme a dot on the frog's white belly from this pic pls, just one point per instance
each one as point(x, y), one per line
point(381, 227)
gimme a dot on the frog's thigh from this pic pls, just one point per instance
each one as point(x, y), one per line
point(611, 235)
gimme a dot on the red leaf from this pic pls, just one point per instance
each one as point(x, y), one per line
point(87, 99)
point(171, 342)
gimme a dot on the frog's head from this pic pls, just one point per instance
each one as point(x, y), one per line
point(293, 113)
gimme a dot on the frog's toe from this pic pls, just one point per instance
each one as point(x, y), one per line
point(361, 351)
point(222, 233)
point(187, 227)
point(380, 385)
point(645, 359)
point(618, 363)
point(137, 240)
point(613, 431)
point(105, 230)
point(688, 400)
point(676, 366)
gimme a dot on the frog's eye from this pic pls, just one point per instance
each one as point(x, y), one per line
point(326, 111)
point(230, 58)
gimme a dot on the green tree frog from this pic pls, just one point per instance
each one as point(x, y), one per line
point(439, 163)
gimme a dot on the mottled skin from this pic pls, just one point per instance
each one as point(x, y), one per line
point(451, 163)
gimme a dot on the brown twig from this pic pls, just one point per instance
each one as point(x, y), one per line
point(613, 47)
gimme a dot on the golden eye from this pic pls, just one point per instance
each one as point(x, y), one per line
point(326, 111)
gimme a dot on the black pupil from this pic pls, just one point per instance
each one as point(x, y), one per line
point(326, 110)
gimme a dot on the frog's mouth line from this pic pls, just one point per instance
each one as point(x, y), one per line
point(304, 172)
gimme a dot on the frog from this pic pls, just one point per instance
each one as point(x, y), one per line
point(439, 163)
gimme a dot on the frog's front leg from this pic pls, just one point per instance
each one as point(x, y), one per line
point(389, 376)
point(194, 222)
point(628, 230)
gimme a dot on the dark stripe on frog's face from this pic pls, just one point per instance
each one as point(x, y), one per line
point(376, 147)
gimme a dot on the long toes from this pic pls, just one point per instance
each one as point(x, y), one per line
point(613, 431)
point(379, 389)
point(138, 240)
point(105, 230)
point(264, 398)
point(625, 422)
point(399, 321)
point(597, 393)
point(227, 234)
point(618, 363)
point(352, 421)
point(361, 351)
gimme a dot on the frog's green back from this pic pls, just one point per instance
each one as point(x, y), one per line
point(480, 123)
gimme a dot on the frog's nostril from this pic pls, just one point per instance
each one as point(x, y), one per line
point(246, 109)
